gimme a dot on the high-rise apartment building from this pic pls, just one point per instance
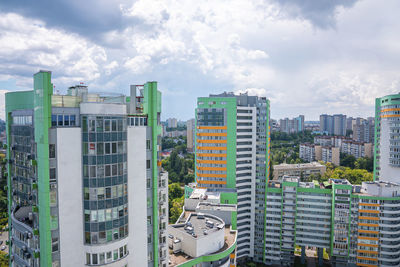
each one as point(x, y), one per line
point(85, 186)
point(333, 124)
point(172, 123)
point(387, 138)
point(363, 130)
point(292, 125)
point(190, 125)
point(232, 146)
point(356, 225)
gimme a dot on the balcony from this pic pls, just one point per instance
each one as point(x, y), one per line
point(22, 219)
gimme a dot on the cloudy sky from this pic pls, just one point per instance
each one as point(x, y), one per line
point(308, 57)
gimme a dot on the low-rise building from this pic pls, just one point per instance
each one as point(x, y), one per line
point(311, 152)
point(303, 170)
point(205, 234)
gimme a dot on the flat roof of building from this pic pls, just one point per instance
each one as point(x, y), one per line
point(283, 166)
point(199, 223)
point(179, 258)
point(216, 206)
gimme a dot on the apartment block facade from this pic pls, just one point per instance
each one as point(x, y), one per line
point(333, 124)
point(356, 225)
point(292, 125)
point(232, 145)
point(387, 134)
point(302, 170)
point(85, 186)
point(190, 128)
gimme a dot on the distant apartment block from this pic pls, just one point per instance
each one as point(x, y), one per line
point(363, 130)
point(172, 123)
point(328, 154)
point(357, 225)
point(307, 152)
point(190, 130)
point(311, 152)
point(357, 149)
point(292, 125)
point(302, 170)
point(175, 133)
point(333, 124)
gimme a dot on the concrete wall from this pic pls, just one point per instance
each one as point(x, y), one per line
point(69, 175)
point(137, 195)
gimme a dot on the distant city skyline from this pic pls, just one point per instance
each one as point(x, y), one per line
point(306, 58)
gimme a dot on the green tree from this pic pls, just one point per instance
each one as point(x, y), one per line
point(175, 191)
point(347, 160)
point(364, 163)
point(3, 259)
point(176, 209)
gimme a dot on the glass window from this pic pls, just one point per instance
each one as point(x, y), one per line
point(114, 148)
point(92, 125)
point(108, 215)
point(86, 193)
point(121, 252)
point(54, 244)
point(85, 148)
point(115, 213)
point(94, 259)
point(148, 165)
point(108, 170)
point(93, 171)
point(60, 120)
point(93, 215)
point(52, 151)
point(107, 125)
point(85, 171)
point(66, 120)
point(114, 126)
point(120, 126)
point(100, 148)
point(101, 258)
point(87, 258)
point(100, 171)
point(53, 120)
point(114, 169)
point(101, 216)
point(114, 192)
point(72, 120)
point(100, 193)
point(115, 254)
point(99, 125)
point(53, 174)
point(87, 237)
point(87, 215)
point(84, 124)
point(108, 192)
point(107, 148)
point(148, 144)
point(109, 238)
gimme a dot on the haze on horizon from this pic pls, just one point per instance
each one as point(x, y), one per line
point(308, 57)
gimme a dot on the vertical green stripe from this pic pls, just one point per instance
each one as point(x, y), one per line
point(43, 90)
point(152, 105)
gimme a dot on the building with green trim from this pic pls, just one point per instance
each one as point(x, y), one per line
point(357, 225)
point(85, 186)
point(387, 138)
point(231, 159)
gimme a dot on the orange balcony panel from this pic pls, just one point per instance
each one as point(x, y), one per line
point(211, 161)
point(368, 218)
point(211, 175)
point(211, 147)
point(212, 127)
point(368, 232)
point(368, 252)
point(211, 155)
point(390, 109)
point(232, 256)
point(368, 224)
point(369, 211)
point(212, 134)
point(366, 258)
point(212, 141)
point(211, 168)
point(211, 182)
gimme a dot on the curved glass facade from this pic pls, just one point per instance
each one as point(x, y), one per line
point(105, 195)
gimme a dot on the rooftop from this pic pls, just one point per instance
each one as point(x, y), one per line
point(198, 225)
point(179, 258)
point(284, 166)
point(215, 206)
